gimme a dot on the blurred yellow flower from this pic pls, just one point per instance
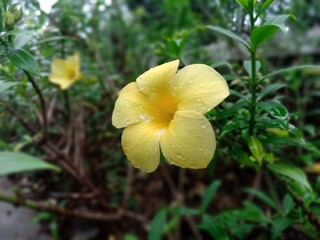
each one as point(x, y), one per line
point(64, 72)
point(164, 110)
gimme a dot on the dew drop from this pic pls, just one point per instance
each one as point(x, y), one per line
point(203, 126)
point(144, 117)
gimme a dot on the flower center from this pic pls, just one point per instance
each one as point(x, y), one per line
point(163, 109)
point(71, 73)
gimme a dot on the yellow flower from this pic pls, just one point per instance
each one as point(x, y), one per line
point(164, 110)
point(65, 72)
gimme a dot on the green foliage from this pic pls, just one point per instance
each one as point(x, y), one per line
point(291, 172)
point(157, 225)
point(24, 60)
point(13, 162)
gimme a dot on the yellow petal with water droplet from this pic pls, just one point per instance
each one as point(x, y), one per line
point(131, 107)
point(199, 88)
point(157, 80)
point(189, 142)
point(140, 143)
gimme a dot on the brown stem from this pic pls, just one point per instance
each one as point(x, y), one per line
point(29, 126)
point(36, 205)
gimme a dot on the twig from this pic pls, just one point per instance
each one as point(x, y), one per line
point(29, 126)
point(36, 205)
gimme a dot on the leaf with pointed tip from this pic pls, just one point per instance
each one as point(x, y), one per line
point(292, 172)
point(14, 162)
point(6, 85)
point(24, 60)
point(248, 67)
point(270, 89)
point(229, 34)
point(157, 225)
point(264, 32)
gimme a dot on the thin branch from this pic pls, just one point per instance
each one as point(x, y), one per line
point(29, 126)
point(36, 205)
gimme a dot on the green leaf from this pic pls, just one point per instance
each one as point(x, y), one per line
point(288, 204)
point(14, 162)
point(210, 194)
point(232, 111)
point(244, 4)
point(292, 172)
point(238, 154)
point(15, 32)
point(247, 67)
point(157, 225)
point(235, 124)
point(240, 95)
point(279, 111)
point(6, 85)
point(187, 211)
point(1, 18)
point(56, 38)
point(21, 40)
point(269, 89)
point(279, 224)
point(264, 6)
point(261, 34)
point(24, 60)
point(256, 148)
point(264, 32)
point(229, 34)
point(278, 21)
point(214, 228)
point(290, 69)
point(262, 196)
point(250, 213)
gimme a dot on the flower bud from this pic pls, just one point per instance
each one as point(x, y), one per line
point(8, 19)
point(18, 13)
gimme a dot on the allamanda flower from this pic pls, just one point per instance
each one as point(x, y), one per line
point(65, 72)
point(164, 110)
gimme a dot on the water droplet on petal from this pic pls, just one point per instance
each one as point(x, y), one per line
point(144, 117)
point(203, 126)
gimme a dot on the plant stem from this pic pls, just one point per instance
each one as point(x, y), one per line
point(253, 82)
point(84, 214)
point(42, 102)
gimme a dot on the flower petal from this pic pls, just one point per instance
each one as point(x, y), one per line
point(157, 80)
point(140, 143)
point(59, 68)
point(74, 61)
point(63, 82)
point(199, 88)
point(130, 107)
point(189, 142)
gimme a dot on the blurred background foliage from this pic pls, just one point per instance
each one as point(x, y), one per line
point(97, 194)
